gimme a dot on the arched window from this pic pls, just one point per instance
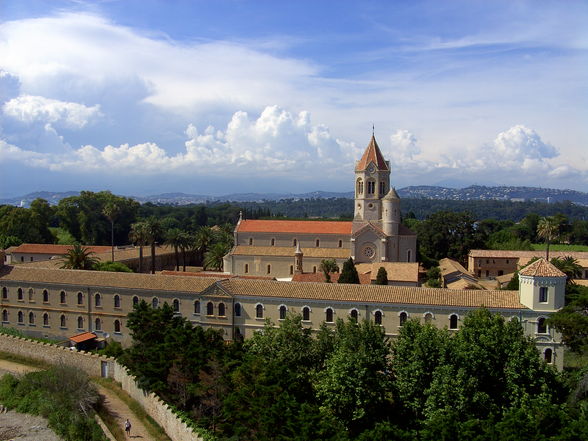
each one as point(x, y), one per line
point(135, 300)
point(31, 318)
point(452, 321)
point(259, 311)
point(45, 296)
point(80, 298)
point(237, 310)
point(317, 243)
point(4, 292)
point(306, 313)
point(403, 317)
point(329, 315)
point(117, 326)
point(98, 324)
point(548, 356)
point(62, 321)
point(354, 314)
point(314, 269)
point(250, 241)
point(222, 310)
point(117, 301)
point(176, 305)
point(19, 294)
point(283, 310)
point(45, 319)
point(4, 315)
point(371, 187)
point(378, 317)
point(246, 268)
point(80, 323)
point(269, 269)
point(429, 319)
point(97, 300)
point(273, 242)
point(209, 308)
point(31, 294)
point(197, 307)
point(20, 317)
point(382, 187)
point(155, 302)
point(359, 186)
point(62, 297)
point(541, 326)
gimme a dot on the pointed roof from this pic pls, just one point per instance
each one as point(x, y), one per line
point(392, 194)
point(372, 154)
point(541, 268)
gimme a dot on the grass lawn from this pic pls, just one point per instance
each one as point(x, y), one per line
point(559, 247)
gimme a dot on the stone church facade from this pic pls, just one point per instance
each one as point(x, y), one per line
point(268, 247)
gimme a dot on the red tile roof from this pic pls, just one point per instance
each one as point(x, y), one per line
point(372, 154)
point(541, 268)
point(43, 248)
point(364, 279)
point(300, 227)
point(215, 275)
point(84, 336)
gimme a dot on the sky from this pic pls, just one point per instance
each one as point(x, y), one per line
point(216, 97)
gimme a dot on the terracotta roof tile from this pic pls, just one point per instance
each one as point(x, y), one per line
point(397, 271)
point(375, 294)
point(216, 275)
point(373, 154)
point(84, 336)
point(41, 248)
point(541, 268)
point(527, 254)
point(251, 250)
point(289, 226)
point(319, 277)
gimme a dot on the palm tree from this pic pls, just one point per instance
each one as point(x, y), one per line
point(547, 229)
point(173, 238)
point(111, 211)
point(569, 266)
point(213, 258)
point(78, 257)
point(138, 235)
point(202, 241)
point(186, 242)
point(328, 266)
point(153, 232)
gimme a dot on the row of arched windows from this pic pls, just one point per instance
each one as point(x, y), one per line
point(371, 187)
point(62, 297)
point(20, 318)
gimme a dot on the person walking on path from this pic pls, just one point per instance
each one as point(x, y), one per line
point(128, 427)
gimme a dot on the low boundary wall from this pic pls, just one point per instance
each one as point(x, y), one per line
point(100, 366)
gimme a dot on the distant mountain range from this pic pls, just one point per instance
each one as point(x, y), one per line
point(474, 192)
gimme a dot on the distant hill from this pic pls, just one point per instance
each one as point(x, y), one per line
point(474, 192)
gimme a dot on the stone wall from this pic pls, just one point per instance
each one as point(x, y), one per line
point(98, 366)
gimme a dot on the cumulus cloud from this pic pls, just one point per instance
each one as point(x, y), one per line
point(30, 109)
point(404, 145)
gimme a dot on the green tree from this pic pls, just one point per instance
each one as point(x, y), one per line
point(202, 241)
point(138, 235)
point(173, 238)
point(349, 273)
point(547, 229)
point(213, 258)
point(78, 257)
point(186, 243)
point(111, 212)
point(572, 320)
point(434, 277)
point(328, 266)
point(116, 267)
point(568, 265)
point(382, 276)
point(153, 232)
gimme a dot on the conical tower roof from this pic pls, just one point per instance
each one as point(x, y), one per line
point(372, 154)
point(392, 194)
point(542, 268)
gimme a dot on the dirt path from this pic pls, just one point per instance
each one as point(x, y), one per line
point(112, 402)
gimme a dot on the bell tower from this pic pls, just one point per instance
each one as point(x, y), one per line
point(372, 183)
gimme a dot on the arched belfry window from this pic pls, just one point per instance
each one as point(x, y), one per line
point(371, 187)
point(359, 186)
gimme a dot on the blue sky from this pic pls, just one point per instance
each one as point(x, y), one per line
point(217, 97)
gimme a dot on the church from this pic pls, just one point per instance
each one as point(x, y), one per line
point(283, 248)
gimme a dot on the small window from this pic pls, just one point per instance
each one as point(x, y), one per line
point(250, 241)
point(117, 326)
point(80, 298)
point(294, 242)
point(31, 318)
point(45, 319)
point(4, 293)
point(31, 295)
point(452, 321)
point(246, 268)
point(259, 311)
point(237, 310)
point(291, 269)
point(378, 317)
point(506, 260)
point(273, 242)
point(155, 302)
point(500, 272)
point(409, 255)
point(98, 325)
point(543, 294)
point(340, 244)
point(283, 310)
point(135, 300)
point(222, 310)
point(176, 305)
point(62, 297)
point(45, 296)
point(318, 243)
point(97, 300)
point(354, 315)
point(382, 187)
point(62, 321)
point(20, 317)
point(306, 313)
point(197, 307)
point(314, 269)
point(80, 323)
point(4, 315)
point(541, 326)
point(329, 315)
point(19, 294)
point(209, 308)
point(32, 260)
point(403, 317)
point(117, 301)
point(269, 269)
point(548, 355)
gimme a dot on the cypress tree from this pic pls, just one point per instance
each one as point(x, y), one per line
point(349, 273)
point(382, 277)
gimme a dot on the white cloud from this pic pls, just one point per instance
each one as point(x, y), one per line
point(404, 146)
point(31, 109)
